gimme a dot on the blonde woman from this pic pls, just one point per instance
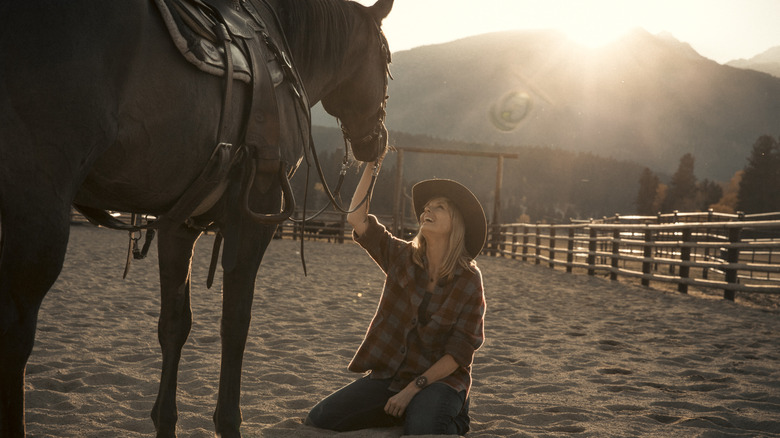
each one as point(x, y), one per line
point(419, 347)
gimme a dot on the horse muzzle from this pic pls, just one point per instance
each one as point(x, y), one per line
point(372, 146)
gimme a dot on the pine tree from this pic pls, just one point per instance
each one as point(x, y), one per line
point(648, 188)
point(758, 189)
point(709, 192)
point(682, 190)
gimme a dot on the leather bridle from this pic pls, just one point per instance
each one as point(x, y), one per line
point(382, 111)
point(375, 135)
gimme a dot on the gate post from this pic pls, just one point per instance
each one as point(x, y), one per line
point(398, 218)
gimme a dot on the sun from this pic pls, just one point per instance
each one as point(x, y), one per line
point(595, 35)
point(595, 23)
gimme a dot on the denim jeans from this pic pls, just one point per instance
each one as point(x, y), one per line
point(436, 410)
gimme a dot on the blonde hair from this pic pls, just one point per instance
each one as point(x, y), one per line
point(456, 249)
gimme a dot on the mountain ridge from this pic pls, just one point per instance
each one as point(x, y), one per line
point(647, 98)
point(767, 62)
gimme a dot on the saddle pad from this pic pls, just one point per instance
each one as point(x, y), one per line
point(190, 31)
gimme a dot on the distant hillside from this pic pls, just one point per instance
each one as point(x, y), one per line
point(767, 62)
point(544, 183)
point(646, 98)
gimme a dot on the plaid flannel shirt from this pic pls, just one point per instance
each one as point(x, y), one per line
point(401, 344)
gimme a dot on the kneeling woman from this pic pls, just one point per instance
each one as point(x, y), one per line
point(420, 344)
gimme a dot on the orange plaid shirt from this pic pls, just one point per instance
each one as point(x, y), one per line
point(402, 344)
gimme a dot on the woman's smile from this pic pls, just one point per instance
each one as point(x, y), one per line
point(437, 216)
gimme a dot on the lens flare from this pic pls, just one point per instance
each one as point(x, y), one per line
point(510, 110)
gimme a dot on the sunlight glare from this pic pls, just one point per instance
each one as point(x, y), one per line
point(596, 23)
point(594, 35)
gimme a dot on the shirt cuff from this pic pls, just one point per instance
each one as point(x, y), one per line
point(372, 235)
point(460, 350)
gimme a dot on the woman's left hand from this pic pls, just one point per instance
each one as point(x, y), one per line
point(396, 405)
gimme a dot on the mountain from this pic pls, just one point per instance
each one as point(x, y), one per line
point(646, 98)
point(767, 62)
point(545, 184)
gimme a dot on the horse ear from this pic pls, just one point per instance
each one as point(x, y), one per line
point(380, 10)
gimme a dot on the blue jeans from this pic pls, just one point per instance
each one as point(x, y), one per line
point(436, 410)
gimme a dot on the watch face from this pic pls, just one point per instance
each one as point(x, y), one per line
point(421, 381)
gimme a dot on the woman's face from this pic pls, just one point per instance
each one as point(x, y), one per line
point(436, 218)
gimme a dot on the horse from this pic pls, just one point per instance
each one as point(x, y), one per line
point(99, 109)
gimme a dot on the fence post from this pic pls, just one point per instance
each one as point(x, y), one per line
point(514, 242)
point(647, 253)
point(525, 243)
point(705, 272)
point(538, 248)
point(592, 251)
point(297, 226)
point(552, 247)
point(685, 256)
point(613, 275)
point(491, 247)
point(732, 256)
point(342, 228)
point(570, 251)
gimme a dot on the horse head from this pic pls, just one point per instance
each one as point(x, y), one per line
point(360, 99)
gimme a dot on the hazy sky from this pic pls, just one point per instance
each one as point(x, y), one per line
point(721, 30)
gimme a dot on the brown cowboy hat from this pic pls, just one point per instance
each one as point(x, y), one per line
point(466, 202)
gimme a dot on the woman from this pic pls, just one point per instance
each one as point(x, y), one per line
point(420, 344)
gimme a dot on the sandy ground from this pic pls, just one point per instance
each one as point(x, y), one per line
point(566, 355)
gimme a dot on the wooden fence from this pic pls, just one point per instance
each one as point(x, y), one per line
point(735, 253)
point(329, 226)
point(735, 256)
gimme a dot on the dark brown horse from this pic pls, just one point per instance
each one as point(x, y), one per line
point(99, 108)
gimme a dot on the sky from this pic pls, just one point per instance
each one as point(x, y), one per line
point(722, 30)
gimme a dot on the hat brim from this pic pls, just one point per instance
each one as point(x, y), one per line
point(464, 200)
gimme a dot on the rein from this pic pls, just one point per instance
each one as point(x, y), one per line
point(376, 135)
point(228, 156)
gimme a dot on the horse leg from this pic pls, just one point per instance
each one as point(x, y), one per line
point(32, 250)
point(175, 253)
point(238, 293)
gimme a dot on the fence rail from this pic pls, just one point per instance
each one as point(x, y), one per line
point(735, 256)
point(729, 252)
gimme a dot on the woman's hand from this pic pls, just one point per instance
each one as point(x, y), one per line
point(396, 405)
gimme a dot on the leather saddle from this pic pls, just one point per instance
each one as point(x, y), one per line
point(191, 24)
point(257, 53)
point(234, 40)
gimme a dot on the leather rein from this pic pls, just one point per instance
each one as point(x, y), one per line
point(375, 135)
point(103, 218)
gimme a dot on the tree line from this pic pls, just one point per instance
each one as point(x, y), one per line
point(753, 189)
point(540, 184)
point(549, 185)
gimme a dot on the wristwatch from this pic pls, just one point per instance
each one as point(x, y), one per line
point(421, 382)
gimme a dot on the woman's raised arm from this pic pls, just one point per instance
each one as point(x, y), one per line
point(359, 218)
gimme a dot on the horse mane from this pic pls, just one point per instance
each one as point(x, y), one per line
point(318, 31)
